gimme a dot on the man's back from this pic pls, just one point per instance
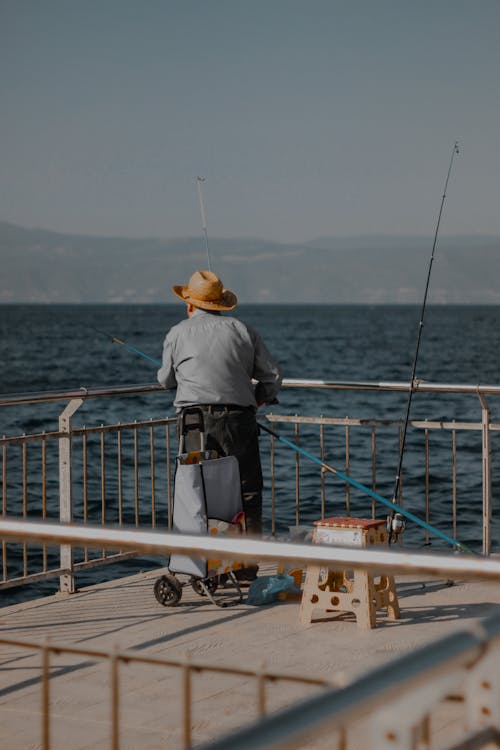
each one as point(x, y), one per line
point(212, 359)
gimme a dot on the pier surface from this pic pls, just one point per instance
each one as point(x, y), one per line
point(124, 614)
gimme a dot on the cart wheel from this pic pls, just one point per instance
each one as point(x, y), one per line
point(168, 590)
point(211, 584)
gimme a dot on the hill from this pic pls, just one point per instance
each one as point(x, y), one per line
point(40, 266)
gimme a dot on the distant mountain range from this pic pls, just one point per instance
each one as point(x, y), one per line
point(39, 266)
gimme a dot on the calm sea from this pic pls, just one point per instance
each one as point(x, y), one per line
point(46, 348)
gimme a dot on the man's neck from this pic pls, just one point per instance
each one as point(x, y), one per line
point(199, 311)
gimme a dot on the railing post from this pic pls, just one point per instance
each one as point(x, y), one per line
point(404, 722)
point(67, 580)
point(486, 463)
point(482, 692)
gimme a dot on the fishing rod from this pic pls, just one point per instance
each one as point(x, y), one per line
point(128, 346)
point(395, 524)
point(326, 467)
point(199, 181)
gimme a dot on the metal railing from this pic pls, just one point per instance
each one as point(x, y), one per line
point(371, 432)
point(117, 659)
point(120, 473)
point(397, 699)
point(123, 472)
point(240, 548)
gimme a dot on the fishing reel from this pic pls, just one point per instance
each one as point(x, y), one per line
point(395, 526)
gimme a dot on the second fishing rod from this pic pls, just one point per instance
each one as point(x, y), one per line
point(395, 521)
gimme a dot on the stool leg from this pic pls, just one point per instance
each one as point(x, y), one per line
point(364, 593)
point(392, 604)
point(309, 597)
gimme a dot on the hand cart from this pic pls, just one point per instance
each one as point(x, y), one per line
point(207, 500)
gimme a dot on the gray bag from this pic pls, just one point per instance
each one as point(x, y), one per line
point(206, 489)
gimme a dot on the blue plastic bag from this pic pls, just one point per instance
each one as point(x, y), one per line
point(266, 589)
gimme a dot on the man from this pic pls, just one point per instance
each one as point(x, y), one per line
point(211, 359)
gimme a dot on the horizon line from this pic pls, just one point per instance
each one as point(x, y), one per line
point(248, 238)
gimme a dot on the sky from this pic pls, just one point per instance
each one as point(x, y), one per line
point(318, 118)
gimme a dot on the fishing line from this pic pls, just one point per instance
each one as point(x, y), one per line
point(394, 524)
point(199, 181)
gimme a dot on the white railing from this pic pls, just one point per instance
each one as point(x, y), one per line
point(123, 473)
point(397, 700)
point(187, 668)
point(118, 473)
point(472, 567)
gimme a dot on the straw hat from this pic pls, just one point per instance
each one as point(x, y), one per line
point(205, 290)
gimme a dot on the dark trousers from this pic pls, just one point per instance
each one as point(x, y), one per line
point(234, 432)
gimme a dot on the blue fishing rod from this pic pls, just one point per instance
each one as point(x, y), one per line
point(326, 467)
point(389, 503)
point(130, 347)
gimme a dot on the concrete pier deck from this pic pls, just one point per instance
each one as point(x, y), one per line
point(124, 614)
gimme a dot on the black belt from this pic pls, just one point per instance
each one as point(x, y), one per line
point(214, 408)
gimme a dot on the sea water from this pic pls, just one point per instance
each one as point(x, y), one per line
point(56, 347)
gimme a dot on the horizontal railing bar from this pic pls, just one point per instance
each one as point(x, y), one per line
point(128, 656)
point(54, 572)
point(256, 550)
point(356, 422)
point(33, 437)
point(32, 578)
point(98, 561)
point(352, 385)
point(337, 708)
point(419, 385)
point(50, 396)
point(275, 418)
point(119, 427)
point(124, 426)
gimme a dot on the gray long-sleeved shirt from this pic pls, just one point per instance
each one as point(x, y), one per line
point(211, 359)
